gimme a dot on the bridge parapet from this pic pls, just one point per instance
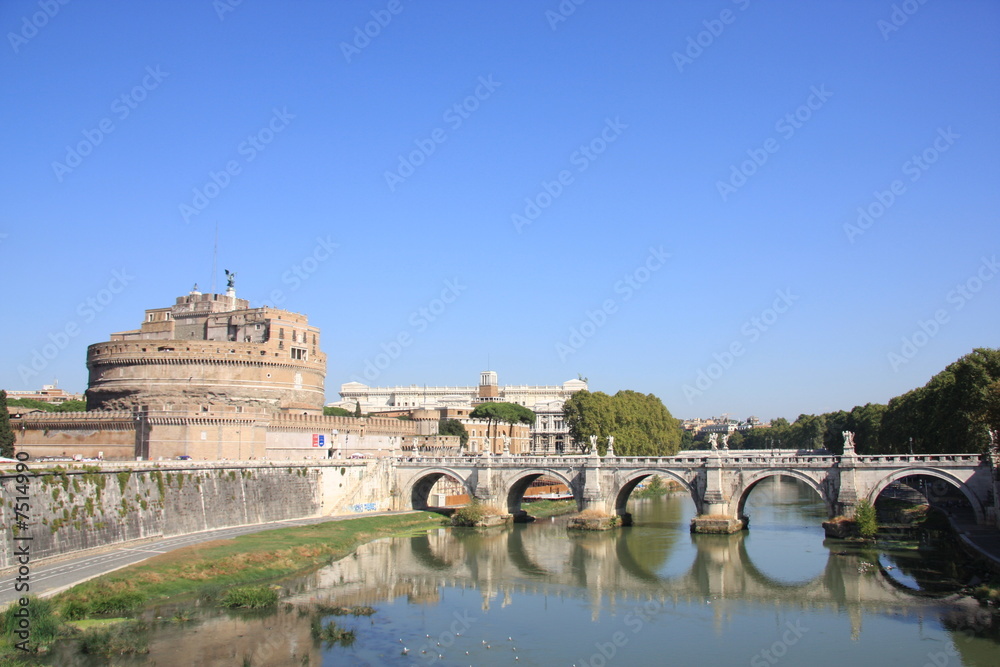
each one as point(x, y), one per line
point(921, 459)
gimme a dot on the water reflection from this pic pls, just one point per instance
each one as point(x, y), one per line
point(560, 596)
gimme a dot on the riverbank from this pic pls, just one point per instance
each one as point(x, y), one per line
point(207, 570)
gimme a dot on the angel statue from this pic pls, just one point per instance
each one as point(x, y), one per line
point(848, 441)
point(713, 439)
point(611, 446)
point(725, 441)
point(230, 279)
point(593, 445)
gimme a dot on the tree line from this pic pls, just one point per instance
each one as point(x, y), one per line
point(952, 413)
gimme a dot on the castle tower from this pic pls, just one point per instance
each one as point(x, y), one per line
point(211, 349)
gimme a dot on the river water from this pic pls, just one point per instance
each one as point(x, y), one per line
point(651, 594)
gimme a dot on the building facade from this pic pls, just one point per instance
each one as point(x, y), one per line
point(548, 435)
point(379, 399)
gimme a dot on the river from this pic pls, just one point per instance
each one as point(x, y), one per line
point(651, 594)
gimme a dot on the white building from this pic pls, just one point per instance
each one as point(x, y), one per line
point(549, 434)
point(379, 399)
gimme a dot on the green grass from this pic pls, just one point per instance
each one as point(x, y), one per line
point(249, 559)
point(88, 623)
point(41, 623)
point(546, 508)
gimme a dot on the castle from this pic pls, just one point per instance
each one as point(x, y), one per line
point(211, 378)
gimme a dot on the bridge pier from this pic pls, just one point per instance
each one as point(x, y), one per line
point(715, 515)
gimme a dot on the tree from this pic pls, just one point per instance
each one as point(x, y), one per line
point(357, 408)
point(640, 423)
point(454, 427)
point(496, 412)
point(6, 433)
point(331, 411)
point(866, 520)
point(44, 406)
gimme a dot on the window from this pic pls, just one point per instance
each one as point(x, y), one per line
point(299, 353)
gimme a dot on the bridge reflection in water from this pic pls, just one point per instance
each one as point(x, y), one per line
point(562, 597)
point(659, 559)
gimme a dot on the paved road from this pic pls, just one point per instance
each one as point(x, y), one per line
point(53, 576)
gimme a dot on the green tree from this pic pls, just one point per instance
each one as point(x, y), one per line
point(640, 423)
point(331, 411)
point(948, 414)
point(6, 433)
point(736, 440)
point(454, 427)
point(499, 412)
point(357, 408)
point(866, 520)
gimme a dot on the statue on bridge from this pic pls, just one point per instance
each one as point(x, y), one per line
point(506, 445)
point(611, 445)
point(725, 441)
point(593, 445)
point(713, 439)
point(848, 443)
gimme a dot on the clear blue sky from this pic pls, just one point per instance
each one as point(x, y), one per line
point(643, 127)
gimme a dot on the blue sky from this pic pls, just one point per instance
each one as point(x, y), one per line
point(659, 196)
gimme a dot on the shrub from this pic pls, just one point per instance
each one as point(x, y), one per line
point(331, 633)
point(41, 619)
point(120, 602)
point(472, 514)
point(126, 638)
point(865, 520)
point(249, 597)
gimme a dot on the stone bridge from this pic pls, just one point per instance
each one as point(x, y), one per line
point(719, 481)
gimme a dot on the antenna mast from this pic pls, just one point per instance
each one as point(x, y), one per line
point(215, 257)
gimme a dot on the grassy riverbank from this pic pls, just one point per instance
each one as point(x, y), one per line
point(210, 567)
point(209, 570)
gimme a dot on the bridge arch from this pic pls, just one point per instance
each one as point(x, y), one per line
point(516, 485)
point(418, 489)
point(942, 475)
point(739, 501)
point(620, 496)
